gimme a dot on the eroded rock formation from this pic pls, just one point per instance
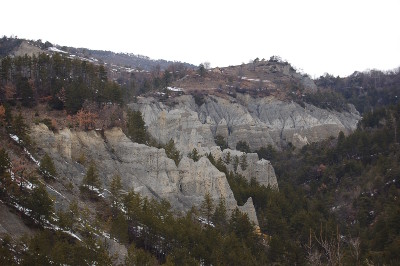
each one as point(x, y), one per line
point(258, 121)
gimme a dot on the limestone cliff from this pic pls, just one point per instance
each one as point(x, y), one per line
point(258, 121)
point(145, 169)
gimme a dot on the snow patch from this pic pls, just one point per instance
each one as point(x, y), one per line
point(31, 157)
point(15, 138)
point(55, 49)
point(175, 89)
point(205, 221)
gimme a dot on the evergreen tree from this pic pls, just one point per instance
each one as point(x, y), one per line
point(220, 164)
point(202, 70)
point(220, 215)
point(228, 157)
point(268, 153)
point(139, 257)
point(21, 129)
point(235, 163)
point(136, 127)
point(243, 162)
point(243, 146)
point(47, 167)
point(91, 179)
point(119, 228)
point(115, 189)
point(221, 142)
point(172, 152)
point(207, 207)
point(167, 77)
point(40, 203)
point(194, 155)
point(24, 90)
point(116, 186)
point(240, 224)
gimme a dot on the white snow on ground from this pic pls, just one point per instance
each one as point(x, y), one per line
point(55, 49)
point(106, 235)
point(205, 221)
point(96, 190)
point(31, 157)
point(15, 138)
point(55, 227)
point(22, 209)
point(256, 80)
point(174, 89)
point(28, 184)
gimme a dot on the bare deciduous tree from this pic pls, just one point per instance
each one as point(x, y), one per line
point(355, 249)
point(330, 247)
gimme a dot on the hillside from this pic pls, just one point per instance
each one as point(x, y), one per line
point(118, 61)
point(254, 164)
point(259, 78)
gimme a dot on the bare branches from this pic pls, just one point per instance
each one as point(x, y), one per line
point(327, 248)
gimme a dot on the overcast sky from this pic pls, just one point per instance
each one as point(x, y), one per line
point(318, 36)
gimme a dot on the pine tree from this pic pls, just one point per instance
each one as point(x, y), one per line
point(21, 129)
point(172, 152)
point(40, 203)
point(240, 224)
point(221, 142)
point(243, 146)
point(220, 215)
point(228, 157)
point(115, 189)
point(243, 162)
point(116, 186)
point(139, 257)
point(25, 91)
point(136, 127)
point(207, 207)
point(47, 167)
point(235, 163)
point(202, 70)
point(194, 155)
point(91, 179)
point(119, 228)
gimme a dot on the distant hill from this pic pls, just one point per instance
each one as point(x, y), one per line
point(130, 61)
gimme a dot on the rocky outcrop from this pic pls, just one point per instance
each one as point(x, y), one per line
point(145, 169)
point(248, 165)
point(258, 121)
point(249, 209)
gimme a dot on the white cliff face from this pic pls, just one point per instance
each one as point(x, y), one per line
point(150, 172)
point(259, 122)
point(145, 169)
point(198, 178)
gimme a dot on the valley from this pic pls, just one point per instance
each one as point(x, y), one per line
point(120, 159)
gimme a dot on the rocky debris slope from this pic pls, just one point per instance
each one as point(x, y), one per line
point(145, 169)
point(258, 121)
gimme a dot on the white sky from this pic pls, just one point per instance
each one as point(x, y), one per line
point(318, 36)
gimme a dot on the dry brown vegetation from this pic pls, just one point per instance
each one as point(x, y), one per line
point(259, 79)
